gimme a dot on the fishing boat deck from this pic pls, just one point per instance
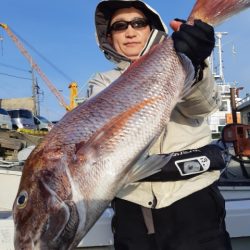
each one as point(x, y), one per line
point(234, 185)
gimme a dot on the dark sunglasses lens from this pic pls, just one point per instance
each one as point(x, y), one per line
point(140, 23)
point(121, 25)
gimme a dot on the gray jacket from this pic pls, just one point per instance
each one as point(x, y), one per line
point(187, 129)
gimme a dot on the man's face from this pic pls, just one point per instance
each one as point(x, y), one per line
point(130, 41)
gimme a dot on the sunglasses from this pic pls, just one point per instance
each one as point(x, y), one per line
point(123, 25)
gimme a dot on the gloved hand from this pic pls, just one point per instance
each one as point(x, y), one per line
point(195, 41)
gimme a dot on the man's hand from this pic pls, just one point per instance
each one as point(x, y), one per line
point(195, 41)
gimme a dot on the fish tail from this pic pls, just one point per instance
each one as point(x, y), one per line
point(216, 11)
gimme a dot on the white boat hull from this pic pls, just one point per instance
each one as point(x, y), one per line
point(237, 219)
point(9, 182)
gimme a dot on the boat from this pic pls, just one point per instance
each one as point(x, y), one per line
point(234, 185)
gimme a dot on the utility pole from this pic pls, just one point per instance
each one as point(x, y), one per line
point(33, 90)
point(35, 93)
point(37, 89)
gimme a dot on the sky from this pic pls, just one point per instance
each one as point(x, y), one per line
point(63, 32)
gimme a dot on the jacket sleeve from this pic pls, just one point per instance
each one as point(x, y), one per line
point(203, 99)
point(102, 80)
point(96, 84)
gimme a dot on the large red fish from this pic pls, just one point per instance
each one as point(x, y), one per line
point(71, 177)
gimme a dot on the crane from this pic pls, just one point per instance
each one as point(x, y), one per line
point(73, 85)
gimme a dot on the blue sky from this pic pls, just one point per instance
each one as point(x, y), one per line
point(63, 32)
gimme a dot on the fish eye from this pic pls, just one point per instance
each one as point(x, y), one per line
point(22, 199)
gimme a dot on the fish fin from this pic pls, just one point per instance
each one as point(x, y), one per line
point(190, 79)
point(147, 166)
point(216, 11)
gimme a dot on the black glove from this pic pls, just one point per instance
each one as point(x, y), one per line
point(195, 41)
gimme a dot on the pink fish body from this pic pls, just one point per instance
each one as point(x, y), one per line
point(71, 177)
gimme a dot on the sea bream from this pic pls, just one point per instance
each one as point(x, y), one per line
point(74, 173)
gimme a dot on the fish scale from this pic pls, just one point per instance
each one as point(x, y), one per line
point(71, 177)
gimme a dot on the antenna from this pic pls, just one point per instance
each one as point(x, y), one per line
point(1, 40)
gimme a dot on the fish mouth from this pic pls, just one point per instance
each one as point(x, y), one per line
point(65, 237)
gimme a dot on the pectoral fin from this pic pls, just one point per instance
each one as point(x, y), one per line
point(147, 166)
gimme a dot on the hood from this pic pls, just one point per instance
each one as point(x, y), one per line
point(103, 13)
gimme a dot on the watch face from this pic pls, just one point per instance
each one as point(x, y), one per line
point(193, 165)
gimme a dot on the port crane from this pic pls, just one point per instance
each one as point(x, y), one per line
point(72, 86)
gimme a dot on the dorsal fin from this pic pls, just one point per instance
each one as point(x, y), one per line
point(215, 12)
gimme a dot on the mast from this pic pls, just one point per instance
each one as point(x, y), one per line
point(218, 70)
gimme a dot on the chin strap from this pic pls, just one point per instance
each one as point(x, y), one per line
point(155, 37)
point(148, 219)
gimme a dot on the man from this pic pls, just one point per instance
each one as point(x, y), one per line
point(161, 213)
